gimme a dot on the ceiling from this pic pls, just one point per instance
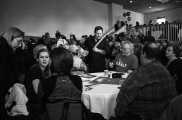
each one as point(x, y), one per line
point(142, 6)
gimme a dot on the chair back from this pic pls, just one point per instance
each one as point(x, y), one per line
point(65, 110)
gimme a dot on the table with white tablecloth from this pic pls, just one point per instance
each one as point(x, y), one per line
point(101, 97)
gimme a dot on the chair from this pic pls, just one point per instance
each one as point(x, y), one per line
point(173, 111)
point(65, 110)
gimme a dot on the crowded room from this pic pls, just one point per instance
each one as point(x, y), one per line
point(91, 60)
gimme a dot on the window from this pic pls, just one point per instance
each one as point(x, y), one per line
point(161, 20)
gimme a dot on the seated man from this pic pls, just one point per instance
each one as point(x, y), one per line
point(146, 91)
point(125, 61)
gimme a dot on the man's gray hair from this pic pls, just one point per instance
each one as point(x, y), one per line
point(130, 45)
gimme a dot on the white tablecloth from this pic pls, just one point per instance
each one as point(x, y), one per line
point(102, 98)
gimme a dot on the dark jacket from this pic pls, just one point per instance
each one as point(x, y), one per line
point(95, 60)
point(8, 72)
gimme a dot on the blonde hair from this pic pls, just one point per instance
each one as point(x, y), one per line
point(12, 33)
point(37, 48)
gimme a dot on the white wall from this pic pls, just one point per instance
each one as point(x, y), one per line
point(35, 17)
point(171, 15)
point(118, 15)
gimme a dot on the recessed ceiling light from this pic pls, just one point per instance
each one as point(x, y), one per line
point(131, 1)
point(177, 1)
point(150, 7)
point(163, 1)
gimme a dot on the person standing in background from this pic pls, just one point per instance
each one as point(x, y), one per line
point(149, 37)
point(96, 58)
point(9, 42)
point(141, 36)
point(46, 40)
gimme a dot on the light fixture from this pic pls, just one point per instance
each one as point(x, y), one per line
point(150, 7)
point(163, 1)
point(131, 1)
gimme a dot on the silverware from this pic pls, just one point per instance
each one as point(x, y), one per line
point(91, 85)
point(88, 88)
point(86, 80)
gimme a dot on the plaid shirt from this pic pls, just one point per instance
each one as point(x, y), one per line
point(146, 90)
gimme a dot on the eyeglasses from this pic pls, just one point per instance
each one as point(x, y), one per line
point(19, 41)
point(169, 50)
point(122, 48)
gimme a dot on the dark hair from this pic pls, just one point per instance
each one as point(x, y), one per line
point(74, 39)
point(63, 37)
point(57, 34)
point(149, 32)
point(151, 49)
point(84, 36)
point(180, 49)
point(47, 33)
point(110, 38)
point(62, 60)
point(117, 40)
point(98, 28)
point(176, 49)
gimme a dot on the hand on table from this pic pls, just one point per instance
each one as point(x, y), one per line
point(111, 64)
point(129, 72)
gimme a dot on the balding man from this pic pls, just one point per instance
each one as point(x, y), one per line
point(146, 92)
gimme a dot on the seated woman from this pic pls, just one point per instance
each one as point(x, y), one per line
point(37, 72)
point(174, 65)
point(31, 55)
point(79, 66)
point(63, 85)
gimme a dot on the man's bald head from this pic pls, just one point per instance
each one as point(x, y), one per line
point(151, 50)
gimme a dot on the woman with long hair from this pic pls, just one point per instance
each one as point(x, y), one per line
point(36, 74)
point(63, 85)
